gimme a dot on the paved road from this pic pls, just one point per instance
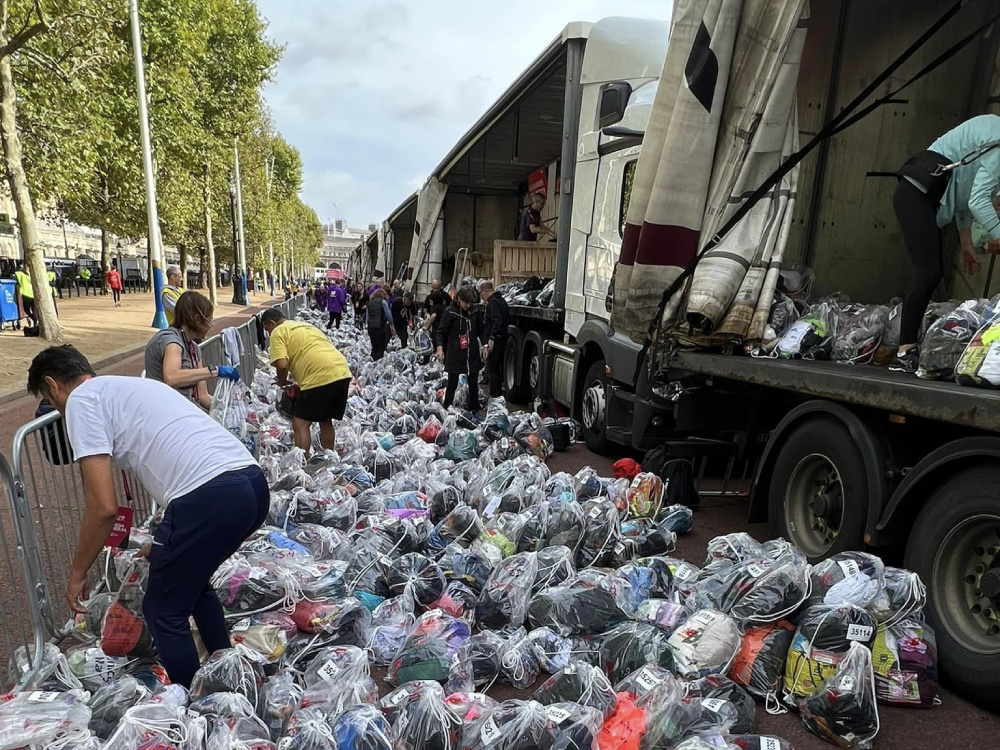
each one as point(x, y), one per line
point(954, 724)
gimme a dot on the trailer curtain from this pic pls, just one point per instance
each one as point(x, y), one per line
point(722, 119)
point(430, 201)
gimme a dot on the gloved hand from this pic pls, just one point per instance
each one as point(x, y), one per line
point(229, 372)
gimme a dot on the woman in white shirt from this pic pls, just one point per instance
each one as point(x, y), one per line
point(214, 492)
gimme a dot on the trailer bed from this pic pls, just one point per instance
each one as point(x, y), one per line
point(862, 385)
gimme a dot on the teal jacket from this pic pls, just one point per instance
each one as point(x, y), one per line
point(970, 191)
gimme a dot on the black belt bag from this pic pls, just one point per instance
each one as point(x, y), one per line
point(926, 170)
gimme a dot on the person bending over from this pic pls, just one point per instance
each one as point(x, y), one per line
point(214, 492)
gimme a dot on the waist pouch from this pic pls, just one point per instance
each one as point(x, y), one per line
point(921, 169)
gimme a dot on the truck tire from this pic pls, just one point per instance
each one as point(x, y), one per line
point(955, 548)
point(818, 498)
point(593, 407)
point(514, 385)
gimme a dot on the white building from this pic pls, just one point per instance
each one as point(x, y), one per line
point(339, 241)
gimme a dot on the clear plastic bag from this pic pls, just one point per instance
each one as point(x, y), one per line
point(428, 650)
point(759, 665)
point(858, 333)
point(425, 722)
point(347, 620)
point(392, 622)
point(232, 670)
point(578, 607)
point(706, 644)
point(513, 725)
point(337, 665)
point(555, 566)
point(823, 638)
point(645, 495)
point(649, 678)
point(109, 703)
point(361, 728)
point(281, 697)
point(476, 664)
point(717, 687)
point(851, 573)
point(578, 683)
point(947, 339)
point(154, 725)
point(904, 656)
point(627, 647)
point(416, 577)
point(843, 708)
point(504, 600)
point(124, 631)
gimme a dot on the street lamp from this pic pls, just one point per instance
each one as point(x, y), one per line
point(152, 217)
point(239, 292)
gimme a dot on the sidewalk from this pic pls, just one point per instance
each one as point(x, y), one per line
point(103, 332)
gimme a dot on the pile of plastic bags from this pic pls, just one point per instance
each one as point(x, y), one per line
point(438, 546)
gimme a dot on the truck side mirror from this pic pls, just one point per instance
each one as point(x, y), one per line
point(614, 98)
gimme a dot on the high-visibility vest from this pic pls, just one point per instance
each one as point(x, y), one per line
point(51, 276)
point(24, 284)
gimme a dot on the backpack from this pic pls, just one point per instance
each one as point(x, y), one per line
point(677, 475)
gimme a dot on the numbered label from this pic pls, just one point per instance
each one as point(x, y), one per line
point(328, 671)
point(859, 632)
point(850, 567)
point(620, 548)
point(557, 715)
point(491, 507)
point(756, 570)
point(713, 704)
point(770, 743)
point(242, 626)
point(646, 679)
point(397, 698)
point(41, 696)
point(847, 684)
point(490, 732)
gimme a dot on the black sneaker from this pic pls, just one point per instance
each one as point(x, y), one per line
point(906, 362)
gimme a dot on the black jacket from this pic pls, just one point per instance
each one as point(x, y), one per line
point(456, 323)
point(497, 319)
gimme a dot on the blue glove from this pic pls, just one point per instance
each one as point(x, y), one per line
point(229, 372)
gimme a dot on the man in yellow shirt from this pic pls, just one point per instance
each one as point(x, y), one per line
point(171, 292)
point(27, 294)
point(318, 368)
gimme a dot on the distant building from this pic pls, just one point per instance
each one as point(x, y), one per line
point(339, 241)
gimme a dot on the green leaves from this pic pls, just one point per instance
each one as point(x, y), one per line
point(206, 62)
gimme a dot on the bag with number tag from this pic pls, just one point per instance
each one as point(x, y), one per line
point(851, 577)
point(361, 728)
point(760, 742)
point(504, 601)
point(823, 638)
point(760, 663)
point(124, 632)
point(905, 659)
point(425, 722)
point(627, 647)
point(717, 687)
point(281, 698)
point(337, 665)
point(428, 651)
point(233, 670)
point(37, 717)
point(843, 709)
point(576, 726)
point(579, 683)
point(705, 644)
point(513, 725)
point(110, 702)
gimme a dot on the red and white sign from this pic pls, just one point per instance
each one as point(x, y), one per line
point(538, 182)
point(118, 538)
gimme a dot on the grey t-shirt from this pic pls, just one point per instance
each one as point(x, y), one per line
point(156, 347)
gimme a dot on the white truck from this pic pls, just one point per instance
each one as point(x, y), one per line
point(843, 457)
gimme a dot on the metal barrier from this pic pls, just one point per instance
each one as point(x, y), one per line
point(212, 350)
point(49, 500)
point(23, 630)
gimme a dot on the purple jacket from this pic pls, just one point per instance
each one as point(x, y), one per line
point(337, 299)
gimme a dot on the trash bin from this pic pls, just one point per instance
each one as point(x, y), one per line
point(8, 302)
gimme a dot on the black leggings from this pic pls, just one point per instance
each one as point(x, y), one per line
point(116, 295)
point(917, 216)
point(380, 340)
point(335, 317)
point(449, 392)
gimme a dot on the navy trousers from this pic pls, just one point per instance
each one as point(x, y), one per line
point(199, 531)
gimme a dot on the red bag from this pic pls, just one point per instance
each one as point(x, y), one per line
point(625, 468)
point(124, 631)
point(625, 728)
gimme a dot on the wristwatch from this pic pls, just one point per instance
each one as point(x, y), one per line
point(214, 371)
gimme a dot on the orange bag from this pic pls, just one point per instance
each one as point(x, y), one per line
point(624, 728)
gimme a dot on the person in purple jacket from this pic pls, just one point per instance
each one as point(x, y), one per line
point(335, 304)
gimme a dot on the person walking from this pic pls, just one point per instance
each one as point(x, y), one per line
point(953, 181)
point(172, 292)
point(50, 279)
point(172, 355)
point(214, 493)
point(402, 314)
point(434, 306)
point(115, 283)
point(360, 301)
point(495, 323)
point(319, 369)
point(27, 292)
point(321, 294)
point(335, 304)
point(378, 318)
point(459, 335)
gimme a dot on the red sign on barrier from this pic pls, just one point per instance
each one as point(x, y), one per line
point(538, 182)
point(118, 537)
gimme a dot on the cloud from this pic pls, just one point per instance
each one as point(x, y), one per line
point(374, 94)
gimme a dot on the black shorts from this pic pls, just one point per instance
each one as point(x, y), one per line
point(323, 403)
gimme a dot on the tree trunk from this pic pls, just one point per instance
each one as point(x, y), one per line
point(209, 246)
point(149, 265)
point(182, 249)
point(105, 263)
point(202, 265)
point(21, 195)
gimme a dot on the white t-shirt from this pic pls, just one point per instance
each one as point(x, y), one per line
point(151, 429)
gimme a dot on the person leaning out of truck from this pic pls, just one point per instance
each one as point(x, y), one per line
point(458, 342)
point(932, 193)
point(172, 355)
point(531, 226)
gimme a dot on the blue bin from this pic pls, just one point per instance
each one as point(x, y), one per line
point(8, 301)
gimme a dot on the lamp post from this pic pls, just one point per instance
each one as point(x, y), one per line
point(239, 295)
point(239, 216)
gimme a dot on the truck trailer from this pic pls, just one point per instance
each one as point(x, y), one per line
point(842, 457)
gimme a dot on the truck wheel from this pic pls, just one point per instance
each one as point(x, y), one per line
point(513, 385)
point(818, 499)
point(955, 548)
point(594, 407)
point(534, 373)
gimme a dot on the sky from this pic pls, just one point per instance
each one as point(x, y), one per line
point(375, 92)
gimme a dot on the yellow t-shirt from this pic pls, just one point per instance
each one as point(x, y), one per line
point(312, 360)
